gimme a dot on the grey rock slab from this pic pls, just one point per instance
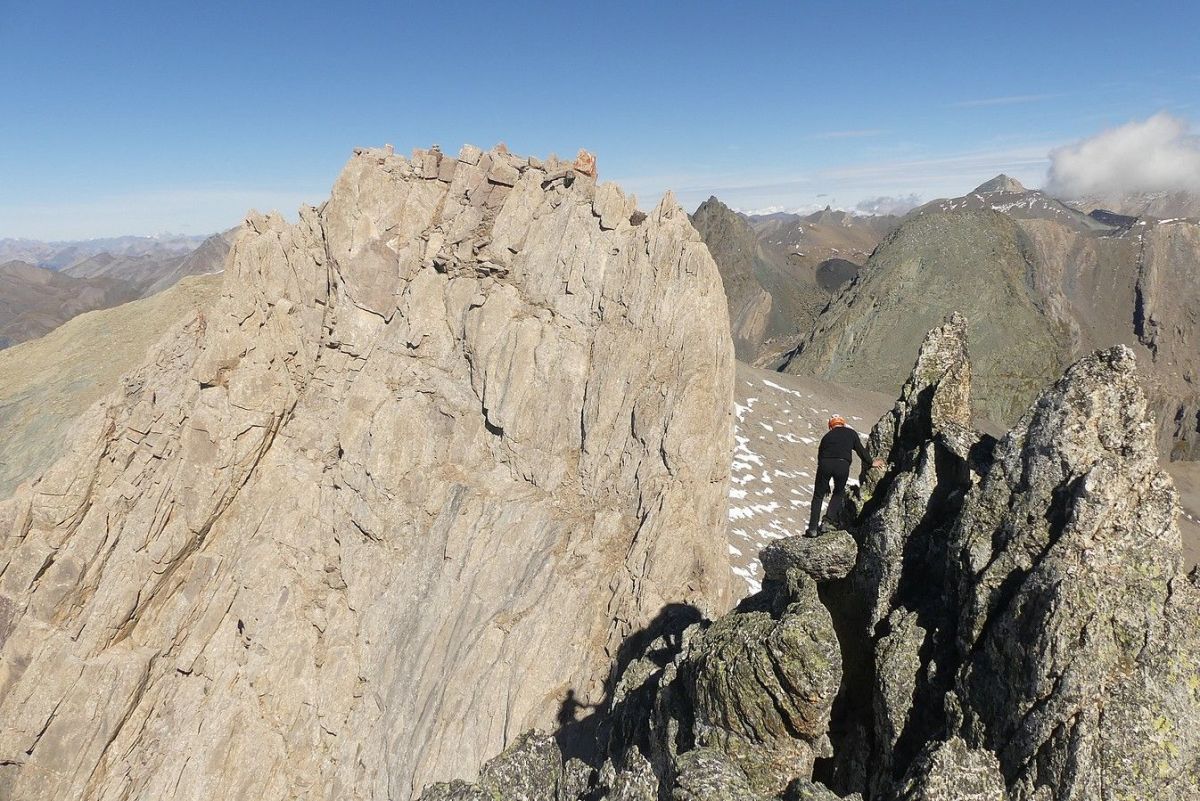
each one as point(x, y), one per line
point(706, 774)
point(762, 688)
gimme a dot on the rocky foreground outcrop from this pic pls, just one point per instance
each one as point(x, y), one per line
point(1015, 626)
point(439, 448)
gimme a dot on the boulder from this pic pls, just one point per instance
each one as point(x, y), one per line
point(531, 769)
point(761, 689)
point(822, 558)
point(706, 774)
point(950, 771)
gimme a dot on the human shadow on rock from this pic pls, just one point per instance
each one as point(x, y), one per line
point(586, 736)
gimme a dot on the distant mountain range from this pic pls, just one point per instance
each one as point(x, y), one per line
point(44, 284)
point(1008, 196)
point(64, 254)
point(1042, 282)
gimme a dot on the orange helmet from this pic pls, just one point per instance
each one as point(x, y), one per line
point(837, 420)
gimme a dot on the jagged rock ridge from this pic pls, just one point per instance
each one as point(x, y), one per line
point(735, 250)
point(1016, 626)
point(437, 449)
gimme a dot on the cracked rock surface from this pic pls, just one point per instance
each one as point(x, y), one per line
point(1016, 625)
point(438, 448)
point(1024, 616)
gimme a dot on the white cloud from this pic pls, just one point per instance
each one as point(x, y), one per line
point(888, 204)
point(1157, 154)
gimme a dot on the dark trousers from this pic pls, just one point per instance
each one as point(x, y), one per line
point(837, 471)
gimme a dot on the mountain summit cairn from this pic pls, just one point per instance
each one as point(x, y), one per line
point(1001, 183)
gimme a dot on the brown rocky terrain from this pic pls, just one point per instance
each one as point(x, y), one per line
point(754, 315)
point(154, 271)
point(73, 278)
point(34, 300)
point(781, 269)
point(46, 383)
point(399, 495)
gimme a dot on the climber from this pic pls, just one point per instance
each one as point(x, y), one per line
point(833, 463)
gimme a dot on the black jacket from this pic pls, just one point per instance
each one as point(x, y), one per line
point(839, 443)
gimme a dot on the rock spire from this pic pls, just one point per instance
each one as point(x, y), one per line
point(439, 448)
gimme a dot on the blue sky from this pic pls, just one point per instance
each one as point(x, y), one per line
point(145, 117)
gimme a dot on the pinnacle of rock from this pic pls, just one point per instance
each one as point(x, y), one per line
point(1001, 183)
point(439, 448)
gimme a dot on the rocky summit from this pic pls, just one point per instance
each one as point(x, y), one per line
point(1000, 619)
point(402, 493)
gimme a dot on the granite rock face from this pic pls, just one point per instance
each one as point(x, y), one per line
point(760, 687)
point(439, 447)
point(1077, 632)
point(1016, 625)
point(1025, 607)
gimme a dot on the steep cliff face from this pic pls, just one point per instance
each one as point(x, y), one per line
point(1167, 323)
point(734, 248)
point(1015, 624)
point(437, 449)
point(1020, 593)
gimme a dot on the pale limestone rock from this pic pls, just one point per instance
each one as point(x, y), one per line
point(437, 449)
point(612, 206)
point(469, 154)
